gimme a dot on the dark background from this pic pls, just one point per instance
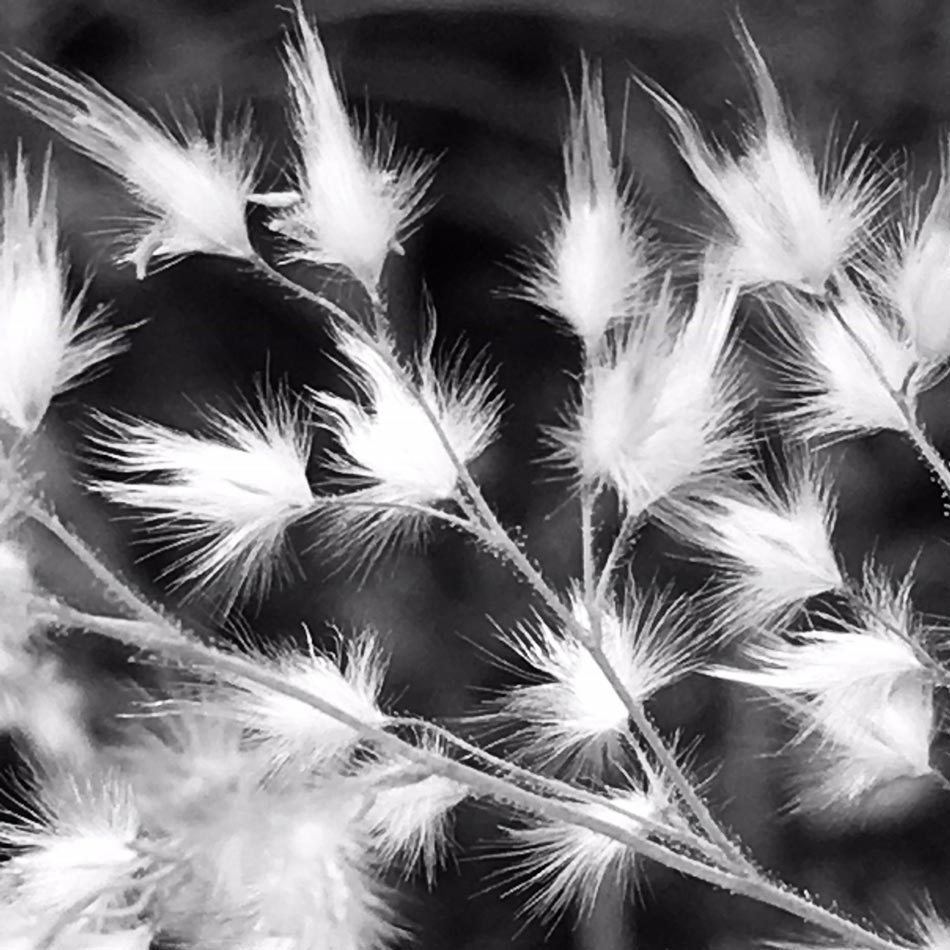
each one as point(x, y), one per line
point(483, 86)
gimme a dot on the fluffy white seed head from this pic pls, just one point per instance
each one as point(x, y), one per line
point(281, 867)
point(390, 457)
point(565, 864)
point(184, 760)
point(231, 492)
point(38, 703)
point(46, 349)
point(863, 693)
point(788, 220)
point(77, 843)
point(191, 188)
point(829, 377)
point(914, 273)
point(774, 542)
point(571, 716)
point(597, 263)
point(288, 731)
point(358, 197)
point(659, 416)
point(408, 817)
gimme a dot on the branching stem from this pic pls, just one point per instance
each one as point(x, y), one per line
point(498, 538)
point(195, 654)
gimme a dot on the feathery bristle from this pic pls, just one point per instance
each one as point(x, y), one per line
point(774, 543)
point(839, 386)
point(565, 864)
point(291, 733)
point(862, 693)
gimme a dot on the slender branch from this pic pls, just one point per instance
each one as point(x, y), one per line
point(628, 527)
point(463, 524)
point(591, 601)
point(505, 546)
point(545, 783)
point(298, 290)
point(122, 592)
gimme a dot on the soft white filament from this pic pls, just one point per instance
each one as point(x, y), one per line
point(408, 817)
point(839, 385)
point(283, 868)
point(77, 846)
point(915, 273)
point(774, 541)
point(565, 864)
point(292, 733)
point(191, 187)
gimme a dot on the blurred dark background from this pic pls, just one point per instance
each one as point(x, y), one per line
point(482, 85)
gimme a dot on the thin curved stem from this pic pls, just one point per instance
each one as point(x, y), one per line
point(298, 290)
point(123, 593)
point(628, 527)
point(545, 783)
